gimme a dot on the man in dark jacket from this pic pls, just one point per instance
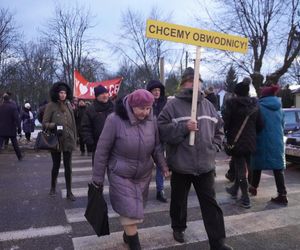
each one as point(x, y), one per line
point(193, 164)
point(78, 113)
point(160, 100)
point(94, 118)
point(9, 123)
point(237, 109)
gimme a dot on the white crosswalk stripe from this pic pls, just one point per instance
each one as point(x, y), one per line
point(160, 236)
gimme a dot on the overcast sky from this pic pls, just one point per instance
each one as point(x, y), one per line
point(31, 15)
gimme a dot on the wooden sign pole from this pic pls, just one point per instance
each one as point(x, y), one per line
point(196, 88)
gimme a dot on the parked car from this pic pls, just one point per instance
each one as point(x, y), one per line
point(291, 120)
point(292, 147)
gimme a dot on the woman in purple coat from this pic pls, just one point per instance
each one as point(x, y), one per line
point(128, 143)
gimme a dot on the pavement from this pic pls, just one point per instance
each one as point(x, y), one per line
point(31, 219)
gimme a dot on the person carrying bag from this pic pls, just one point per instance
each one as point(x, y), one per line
point(96, 211)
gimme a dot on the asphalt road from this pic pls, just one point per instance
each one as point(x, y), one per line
point(30, 219)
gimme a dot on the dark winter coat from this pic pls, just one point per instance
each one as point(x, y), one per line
point(161, 101)
point(9, 119)
point(213, 99)
point(182, 157)
point(27, 123)
point(93, 122)
point(58, 113)
point(237, 108)
point(79, 113)
point(269, 154)
point(126, 148)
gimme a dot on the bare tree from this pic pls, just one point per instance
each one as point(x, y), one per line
point(142, 52)
point(67, 32)
point(271, 26)
point(8, 40)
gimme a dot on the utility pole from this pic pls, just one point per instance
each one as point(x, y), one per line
point(162, 70)
point(186, 59)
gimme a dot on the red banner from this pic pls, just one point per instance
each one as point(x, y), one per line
point(84, 89)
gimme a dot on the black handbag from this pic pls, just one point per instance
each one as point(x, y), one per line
point(96, 211)
point(46, 140)
point(230, 149)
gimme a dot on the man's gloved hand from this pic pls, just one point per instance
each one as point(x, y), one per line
point(19, 131)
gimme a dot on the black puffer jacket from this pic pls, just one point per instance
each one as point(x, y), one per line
point(235, 113)
point(93, 120)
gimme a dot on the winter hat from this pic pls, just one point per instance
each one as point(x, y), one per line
point(61, 88)
point(188, 75)
point(270, 90)
point(100, 90)
point(27, 105)
point(242, 89)
point(152, 84)
point(140, 98)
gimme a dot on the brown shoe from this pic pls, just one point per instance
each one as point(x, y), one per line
point(280, 199)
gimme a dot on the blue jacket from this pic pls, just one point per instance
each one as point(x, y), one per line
point(269, 154)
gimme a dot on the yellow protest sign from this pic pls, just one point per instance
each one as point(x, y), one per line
point(183, 34)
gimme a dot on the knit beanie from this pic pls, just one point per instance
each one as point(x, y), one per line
point(27, 105)
point(242, 89)
point(269, 90)
point(188, 75)
point(100, 90)
point(140, 98)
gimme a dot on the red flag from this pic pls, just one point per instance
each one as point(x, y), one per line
point(84, 89)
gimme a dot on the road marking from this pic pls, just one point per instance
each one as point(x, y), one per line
point(82, 192)
point(79, 169)
point(75, 179)
point(34, 233)
point(79, 161)
point(77, 214)
point(161, 236)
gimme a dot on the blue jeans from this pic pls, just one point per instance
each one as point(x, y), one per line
point(159, 178)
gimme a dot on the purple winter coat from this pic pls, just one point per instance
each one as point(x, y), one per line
point(125, 148)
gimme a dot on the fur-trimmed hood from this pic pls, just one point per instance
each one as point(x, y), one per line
point(55, 90)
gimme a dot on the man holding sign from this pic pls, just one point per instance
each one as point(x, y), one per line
point(193, 164)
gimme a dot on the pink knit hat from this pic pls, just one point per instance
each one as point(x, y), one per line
point(270, 90)
point(140, 98)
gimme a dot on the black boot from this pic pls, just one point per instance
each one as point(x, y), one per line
point(160, 196)
point(245, 200)
point(133, 241)
point(53, 187)
point(219, 245)
point(70, 196)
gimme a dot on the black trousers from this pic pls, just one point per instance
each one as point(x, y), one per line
point(67, 160)
point(279, 180)
point(27, 136)
point(212, 214)
point(14, 142)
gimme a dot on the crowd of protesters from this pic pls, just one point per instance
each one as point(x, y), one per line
point(128, 137)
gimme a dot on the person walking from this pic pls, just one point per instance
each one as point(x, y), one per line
point(237, 109)
point(27, 119)
point(160, 100)
point(79, 113)
point(269, 154)
point(126, 147)
point(93, 119)
point(193, 164)
point(10, 124)
point(59, 117)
